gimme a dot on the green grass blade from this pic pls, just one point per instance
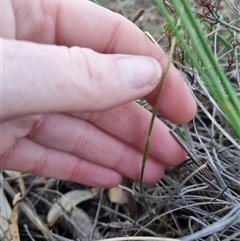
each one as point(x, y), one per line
point(212, 74)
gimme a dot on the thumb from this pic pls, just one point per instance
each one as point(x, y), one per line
point(44, 78)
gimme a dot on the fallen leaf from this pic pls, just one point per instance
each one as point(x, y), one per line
point(118, 195)
point(67, 202)
point(17, 198)
point(14, 224)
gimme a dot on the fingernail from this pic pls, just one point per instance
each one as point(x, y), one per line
point(139, 71)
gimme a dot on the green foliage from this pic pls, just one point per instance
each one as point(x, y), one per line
point(203, 59)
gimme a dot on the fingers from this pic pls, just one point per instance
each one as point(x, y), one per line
point(82, 23)
point(11, 131)
point(44, 78)
point(130, 123)
point(122, 36)
point(84, 140)
point(27, 156)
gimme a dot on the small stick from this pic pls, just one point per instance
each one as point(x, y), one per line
point(223, 22)
point(138, 15)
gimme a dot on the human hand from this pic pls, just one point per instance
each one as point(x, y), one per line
point(65, 94)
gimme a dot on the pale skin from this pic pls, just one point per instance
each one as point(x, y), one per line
point(66, 110)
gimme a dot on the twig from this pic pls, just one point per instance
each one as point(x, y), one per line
point(138, 15)
point(97, 214)
point(223, 22)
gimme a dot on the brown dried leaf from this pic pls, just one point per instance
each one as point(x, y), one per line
point(117, 195)
point(14, 224)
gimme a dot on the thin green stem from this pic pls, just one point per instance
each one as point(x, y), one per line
point(155, 109)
